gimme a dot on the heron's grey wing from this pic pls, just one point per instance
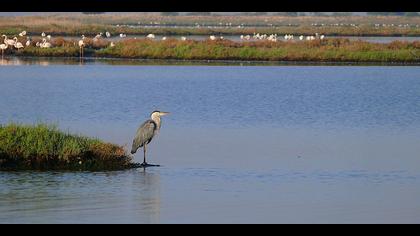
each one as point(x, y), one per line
point(144, 135)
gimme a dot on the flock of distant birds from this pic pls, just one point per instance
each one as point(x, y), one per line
point(45, 40)
point(14, 43)
point(273, 37)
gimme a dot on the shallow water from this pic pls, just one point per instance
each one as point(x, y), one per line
point(47, 61)
point(244, 144)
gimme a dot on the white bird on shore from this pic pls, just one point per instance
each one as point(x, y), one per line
point(15, 39)
point(310, 38)
point(81, 46)
point(164, 38)
point(2, 48)
point(23, 33)
point(288, 37)
point(45, 44)
point(43, 34)
point(107, 34)
point(272, 38)
point(18, 45)
point(212, 37)
point(7, 41)
point(322, 37)
point(49, 37)
point(123, 35)
point(183, 38)
point(28, 42)
point(301, 37)
point(97, 37)
point(150, 36)
point(81, 43)
point(112, 44)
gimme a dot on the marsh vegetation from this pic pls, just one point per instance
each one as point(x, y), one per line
point(340, 50)
point(45, 147)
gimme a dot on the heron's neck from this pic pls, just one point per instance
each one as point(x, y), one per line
point(156, 119)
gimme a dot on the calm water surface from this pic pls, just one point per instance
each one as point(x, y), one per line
point(244, 144)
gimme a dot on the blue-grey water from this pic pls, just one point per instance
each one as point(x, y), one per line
point(243, 144)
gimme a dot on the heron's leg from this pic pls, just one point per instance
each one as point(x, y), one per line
point(144, 159)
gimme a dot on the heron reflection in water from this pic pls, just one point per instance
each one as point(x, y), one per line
point(146, 132)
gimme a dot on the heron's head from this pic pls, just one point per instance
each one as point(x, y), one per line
point(158, 114)
point(155, 116)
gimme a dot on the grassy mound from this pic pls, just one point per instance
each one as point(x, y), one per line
point(327, 50)
point(44, 147)
point(335, 50)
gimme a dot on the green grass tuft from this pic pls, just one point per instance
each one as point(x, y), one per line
point(45, 147)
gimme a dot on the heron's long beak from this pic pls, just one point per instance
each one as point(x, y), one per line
point(163, 113)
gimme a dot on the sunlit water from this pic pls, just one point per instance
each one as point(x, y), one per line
point(243, 144)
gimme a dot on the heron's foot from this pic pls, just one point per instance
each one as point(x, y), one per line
point(145, 164)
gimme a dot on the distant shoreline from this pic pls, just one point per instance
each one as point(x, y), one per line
point(131, 24)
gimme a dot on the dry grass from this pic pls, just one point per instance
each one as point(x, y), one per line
point(77, 24)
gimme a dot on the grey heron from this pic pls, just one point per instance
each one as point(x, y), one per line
point(146, 132)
